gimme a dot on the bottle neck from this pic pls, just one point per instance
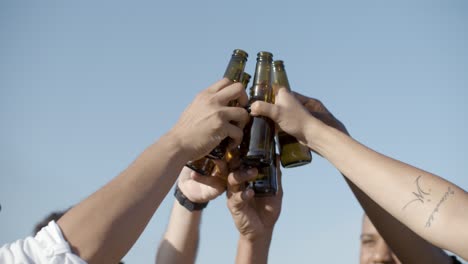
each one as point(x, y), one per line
point(235, 68)
point(261, 89)
point(280, 79)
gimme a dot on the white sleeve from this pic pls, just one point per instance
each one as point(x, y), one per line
point(48, 246)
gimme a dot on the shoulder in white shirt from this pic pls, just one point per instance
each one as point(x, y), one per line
point(48, 246)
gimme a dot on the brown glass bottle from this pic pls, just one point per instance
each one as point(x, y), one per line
point(259, 132)
point(292, 153)
point(203, 166)
point(245, 79)
point(266, 183)
point(235, 73)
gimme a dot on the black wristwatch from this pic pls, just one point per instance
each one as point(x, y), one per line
point(185, 202)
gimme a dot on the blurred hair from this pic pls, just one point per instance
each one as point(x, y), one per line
point(44, 222)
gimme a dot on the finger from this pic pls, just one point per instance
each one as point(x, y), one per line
point(219, 85)
point(235, 134)
point(231, 92)
point(240, 177)
point(185, 173)
point(214, 182)
point(236, 115)
point(221, 170)
point(240, 199)
point(260, 108)
point(276, 89)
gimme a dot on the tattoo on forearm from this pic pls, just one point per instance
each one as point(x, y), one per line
point(444, 198)
point(421, 195)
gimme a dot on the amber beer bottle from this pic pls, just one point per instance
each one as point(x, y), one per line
point(234, 153)
point(234, 72)
point(292, 153)
point(266, 183)
point(259, 132)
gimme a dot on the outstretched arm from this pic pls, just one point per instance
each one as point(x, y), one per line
point(430, 206)
point(103, 227)
point(180, 242)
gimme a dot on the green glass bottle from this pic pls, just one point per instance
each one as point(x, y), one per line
point(259, 132)
point(266, 183)
point(292, 153)
point(235, 73)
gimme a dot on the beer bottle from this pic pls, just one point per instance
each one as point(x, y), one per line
point(266, 183)
point(292, 153)
point(259, 132)
point(203, 166)
point(234, 72)
point(232, 156)
point(245, 79)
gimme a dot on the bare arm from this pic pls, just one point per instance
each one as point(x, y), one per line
point(407, 246)
point(103, 227)
point(180, 242)
point(253, 250)
point(430, 206)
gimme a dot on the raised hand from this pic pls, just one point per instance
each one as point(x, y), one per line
point(200, 189)
point(254, 217)
point(208, 119)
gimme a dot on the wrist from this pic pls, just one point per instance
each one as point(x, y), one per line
point(253, 250)
point(176, 142)
point(326, 140)
point(313, 132)
point(258, 238)
point(186, 202)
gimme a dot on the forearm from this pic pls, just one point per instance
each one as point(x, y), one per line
point(430, 206)
point(253, 251)
point(103, 227)
point(180, 242)
point(407, 246)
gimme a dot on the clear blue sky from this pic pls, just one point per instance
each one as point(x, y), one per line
point(85, 86)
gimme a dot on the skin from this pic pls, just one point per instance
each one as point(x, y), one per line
point(104, 226)
point(254, 217)
point(408, 246)
point(180, 241)
point(430, 206)
point(374, 250)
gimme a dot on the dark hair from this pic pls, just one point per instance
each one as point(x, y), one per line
point(44, 222)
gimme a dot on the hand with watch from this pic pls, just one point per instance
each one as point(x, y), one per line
point(193, 191)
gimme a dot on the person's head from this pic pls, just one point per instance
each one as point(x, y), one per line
point(373, 247)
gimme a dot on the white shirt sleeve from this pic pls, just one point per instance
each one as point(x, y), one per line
point(48, 246)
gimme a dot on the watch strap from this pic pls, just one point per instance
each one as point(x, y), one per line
point(185, 202)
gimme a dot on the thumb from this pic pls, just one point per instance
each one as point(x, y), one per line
point(260, 108)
